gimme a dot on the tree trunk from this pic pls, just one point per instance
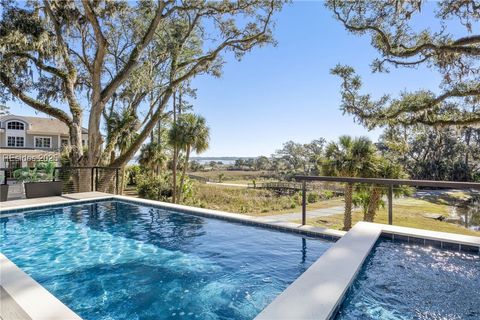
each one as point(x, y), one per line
point(347, 218)
point(375, 195)
point(184, 171)
point(121, 185)
point(175, 155)
point(159, 141)
point(468, 135)
point(95, 139)
point(81, 179)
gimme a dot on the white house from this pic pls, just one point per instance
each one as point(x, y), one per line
point(25, 140)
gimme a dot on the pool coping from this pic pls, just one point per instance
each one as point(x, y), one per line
point(26, 296)
point(319, 292)
point(13, 279)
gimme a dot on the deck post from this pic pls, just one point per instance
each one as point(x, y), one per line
point(96, 178)
point(116, 181)
point(91, 178)
point(304, 202)
point(390, 204)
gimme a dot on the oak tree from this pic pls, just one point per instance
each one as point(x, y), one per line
point(393, 28)
point(84, 62)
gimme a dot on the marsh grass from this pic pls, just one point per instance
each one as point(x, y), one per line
point(251, 201)
point(234, 176)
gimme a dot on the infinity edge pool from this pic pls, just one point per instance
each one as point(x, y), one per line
point(16, 301)
point(317, 293)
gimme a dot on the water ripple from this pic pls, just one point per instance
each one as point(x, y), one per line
point(114, 260)
point(405, 281)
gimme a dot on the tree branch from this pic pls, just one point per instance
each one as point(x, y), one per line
point(58, 32)
point(101, 42)
point(35, 104)
point(40, 64)
point(135, 54)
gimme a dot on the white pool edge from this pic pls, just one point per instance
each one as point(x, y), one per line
point(316, 294)
point(28, 295)
point(319, 291)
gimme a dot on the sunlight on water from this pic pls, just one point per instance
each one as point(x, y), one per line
point(114, 260)
point(405, 281)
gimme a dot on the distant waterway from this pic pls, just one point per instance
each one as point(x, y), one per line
point(225, 161)
point(469, 213)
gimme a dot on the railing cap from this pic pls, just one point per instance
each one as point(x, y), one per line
point(393, 182)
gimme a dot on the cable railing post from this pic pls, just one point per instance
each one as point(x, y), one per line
point(304, 202)
point(390, 204)
point(91, 178)
point(116, 181)
point(96, 178)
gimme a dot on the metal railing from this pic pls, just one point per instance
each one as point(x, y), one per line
point(75, 180)
point(388, 183)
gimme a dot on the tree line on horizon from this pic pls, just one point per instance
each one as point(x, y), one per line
point(425, 153)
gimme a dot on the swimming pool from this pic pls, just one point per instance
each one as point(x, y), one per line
point(409, 281)
point(119, 260)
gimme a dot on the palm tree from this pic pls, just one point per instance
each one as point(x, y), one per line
point(189, 133)
point(349, 157)
point(152, 157)
point(388, 170)
point(125, 124)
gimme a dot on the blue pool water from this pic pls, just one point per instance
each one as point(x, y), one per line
point(405, 281)
point(116, 260)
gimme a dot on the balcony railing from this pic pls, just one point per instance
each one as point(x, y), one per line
point(387, 185)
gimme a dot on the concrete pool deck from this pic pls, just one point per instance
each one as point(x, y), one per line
point(25, 203)
point(316, 294)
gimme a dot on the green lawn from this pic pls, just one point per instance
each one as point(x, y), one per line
point(407, 212)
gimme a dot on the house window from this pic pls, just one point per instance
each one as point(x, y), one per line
point(15, 125)
point(15, 141)
point(43, 142)
point(64, 142)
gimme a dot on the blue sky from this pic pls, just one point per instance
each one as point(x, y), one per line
point(282, 93)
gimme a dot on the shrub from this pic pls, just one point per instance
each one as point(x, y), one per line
point(297, 199)
point(293, 205)
point(154, 187)
point(313, 197)
point(131, 173)
point(327, 194)
point(221, 177)
point(43, 171)
point(188, 191)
